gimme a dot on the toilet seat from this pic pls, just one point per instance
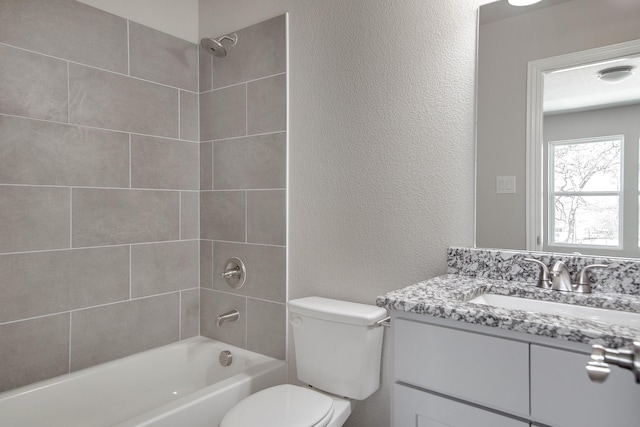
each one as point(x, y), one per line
point(281, 406)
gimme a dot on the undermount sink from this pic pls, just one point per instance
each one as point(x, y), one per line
point(560, 309)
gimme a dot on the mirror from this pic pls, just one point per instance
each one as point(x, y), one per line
point(510, 40)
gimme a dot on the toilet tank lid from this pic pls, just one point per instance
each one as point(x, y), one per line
point(337, 311)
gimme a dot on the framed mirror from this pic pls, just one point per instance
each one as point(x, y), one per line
point(510, 41)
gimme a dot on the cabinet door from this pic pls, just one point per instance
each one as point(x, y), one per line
point(481, 369)
point(415, 408)
point(563, 396)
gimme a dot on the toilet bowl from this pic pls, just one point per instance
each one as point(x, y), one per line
point(338, 346)
point(289, 406)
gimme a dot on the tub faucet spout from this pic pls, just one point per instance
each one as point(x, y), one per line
point(229, 316)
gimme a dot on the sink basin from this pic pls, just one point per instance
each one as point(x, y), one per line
point(560, 309)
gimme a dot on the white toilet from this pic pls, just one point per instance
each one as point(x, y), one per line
point(338, 346)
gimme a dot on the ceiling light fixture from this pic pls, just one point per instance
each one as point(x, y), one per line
point(615, 74)
point(523, 2)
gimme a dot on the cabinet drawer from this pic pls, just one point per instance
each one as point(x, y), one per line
point(563, 396)
point(414, 408)
point(481, 369)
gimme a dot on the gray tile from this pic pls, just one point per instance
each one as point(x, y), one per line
point(66, 29)
point(256, 162)
point(35, 152)
point(223, 113)
point(41, 283)
point(101, 334)
point(159, 268)
point(111, 101)
point(32, 85)
point(189, 116)
point(267, 328)
point(189, 215)
point(164, 163)
point(206, 264)
point(34, 218)
point(267, 105)
point(206, 166)
point(111, 217)
point(267, 217)
point(266, 270)
point(261, 51)
point(189, 313)
point(214, 303)
point(222, 215)
point(162, 58)
point(33, 350)
point(205, 77)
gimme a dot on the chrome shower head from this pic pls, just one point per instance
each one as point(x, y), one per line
point(215, 48)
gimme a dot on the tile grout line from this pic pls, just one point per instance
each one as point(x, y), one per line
point(70, 332)
point(243, 82)
point(116, 245)
point(179, 215)
point(105, 129)
point(130, 164)
point(68, 93)
point(128, 50)
point(130, 272)
point(70, 217)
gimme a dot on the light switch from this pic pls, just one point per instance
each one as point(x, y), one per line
point(505, 184)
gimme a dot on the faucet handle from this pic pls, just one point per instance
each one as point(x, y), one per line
point(543, 281)
point(581, 283)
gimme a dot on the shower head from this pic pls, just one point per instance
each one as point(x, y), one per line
point(215, 48)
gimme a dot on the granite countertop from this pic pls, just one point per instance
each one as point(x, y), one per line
point(447, 297)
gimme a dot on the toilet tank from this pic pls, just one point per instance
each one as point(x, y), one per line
point(337, 345)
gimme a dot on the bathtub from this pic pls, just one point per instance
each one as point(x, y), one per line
point(180, 384)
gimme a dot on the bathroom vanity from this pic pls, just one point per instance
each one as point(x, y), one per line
point(463, 363)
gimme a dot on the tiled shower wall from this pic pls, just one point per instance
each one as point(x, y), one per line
point(99, 189)
point(243, 182)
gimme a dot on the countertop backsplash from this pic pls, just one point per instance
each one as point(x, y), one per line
point(622, 275)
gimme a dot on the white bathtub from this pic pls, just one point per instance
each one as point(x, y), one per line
point(178, 385)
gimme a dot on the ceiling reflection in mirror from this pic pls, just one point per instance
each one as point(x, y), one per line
point(509, 40)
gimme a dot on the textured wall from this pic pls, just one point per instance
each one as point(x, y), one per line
point(243, 104)
point(98, 189)
point(381, 143)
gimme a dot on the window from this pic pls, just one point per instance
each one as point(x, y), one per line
point(585, 193)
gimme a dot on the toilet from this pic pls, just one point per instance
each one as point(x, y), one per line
point(338, 346)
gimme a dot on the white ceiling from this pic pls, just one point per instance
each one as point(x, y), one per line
point(580, 89)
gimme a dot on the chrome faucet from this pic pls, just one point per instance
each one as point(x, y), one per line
point(229, 316)
point(557, 277)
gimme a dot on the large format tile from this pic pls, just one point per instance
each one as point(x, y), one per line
point(162, 58)
point(206, 264)
point(66, 29)
point(41, 283)
point(206, 166)
point(267, 105)
point(43, 345)
point(32, 85)
point(189, 313)
point(34, 218)
point(111, 101)
point(206, 70)
point(163, 267)
point(266, 270)
point(222, 215)
point(256, 162)
point(189, 215)
point(267, 217)
point(36, 152)
point(223, 113)
point(260, 52)
point(111, 217)
point(164, 163)
point(214, 303)
point(189, 116)
point(101, 334)
point(267, 328)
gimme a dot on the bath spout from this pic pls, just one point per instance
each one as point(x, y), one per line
point(229, 316)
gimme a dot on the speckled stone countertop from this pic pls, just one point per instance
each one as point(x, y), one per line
point(448, 297)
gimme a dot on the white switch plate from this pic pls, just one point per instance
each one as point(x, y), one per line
point(505, 184)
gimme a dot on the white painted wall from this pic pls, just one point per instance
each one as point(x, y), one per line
point(176, 17)
point(381, 142)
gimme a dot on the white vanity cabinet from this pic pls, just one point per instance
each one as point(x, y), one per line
point(453, 374)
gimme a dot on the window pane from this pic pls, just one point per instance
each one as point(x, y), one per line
point(590, 166)
point(586, 220)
